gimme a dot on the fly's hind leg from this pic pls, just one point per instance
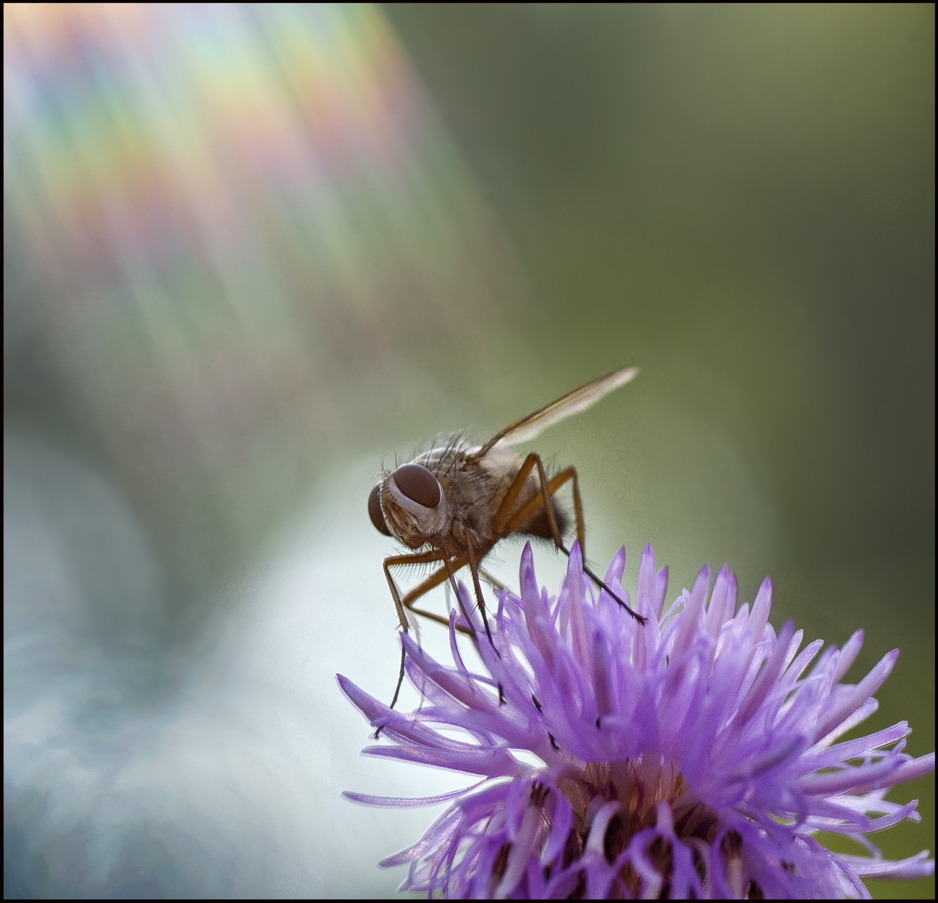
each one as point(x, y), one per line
point(509, 521)
point(510, 518)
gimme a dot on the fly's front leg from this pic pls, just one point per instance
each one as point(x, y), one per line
point(448, 569)
point(398, 561)
point(407, 602)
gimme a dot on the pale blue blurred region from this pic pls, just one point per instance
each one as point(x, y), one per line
point(242, 261)
point(254, 254)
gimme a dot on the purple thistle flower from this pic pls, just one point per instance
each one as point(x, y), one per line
point(695, 756)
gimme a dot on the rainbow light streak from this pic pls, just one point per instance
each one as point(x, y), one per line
point(154, 132)
point(225, 213)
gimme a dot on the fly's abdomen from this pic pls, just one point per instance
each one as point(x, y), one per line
point(539, 523)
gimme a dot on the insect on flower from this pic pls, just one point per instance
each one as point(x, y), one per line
point(454, 503)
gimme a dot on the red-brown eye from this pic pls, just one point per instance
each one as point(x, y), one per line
point(375, 512)
point(418, 484)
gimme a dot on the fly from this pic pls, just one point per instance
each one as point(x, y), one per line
point(454, 503)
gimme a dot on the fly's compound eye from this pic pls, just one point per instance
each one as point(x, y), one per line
point(419, 485)
point(375, 512)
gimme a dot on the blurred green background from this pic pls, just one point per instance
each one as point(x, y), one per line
point(252, 256)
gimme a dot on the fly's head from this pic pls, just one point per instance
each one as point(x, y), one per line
point(408, 504)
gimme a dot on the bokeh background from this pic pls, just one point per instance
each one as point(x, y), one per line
point(254, 254)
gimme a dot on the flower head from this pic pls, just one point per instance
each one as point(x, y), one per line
point(696, 755)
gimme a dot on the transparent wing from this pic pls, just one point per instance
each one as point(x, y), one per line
point(527, 428)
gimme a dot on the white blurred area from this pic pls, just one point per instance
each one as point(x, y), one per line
point(132, 771)
point(237, 246)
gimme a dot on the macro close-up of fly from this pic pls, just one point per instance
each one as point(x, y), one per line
point(452, 504)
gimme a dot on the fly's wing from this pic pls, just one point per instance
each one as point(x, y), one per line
point(578, 400)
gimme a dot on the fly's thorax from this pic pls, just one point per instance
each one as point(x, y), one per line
point(475, 487)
